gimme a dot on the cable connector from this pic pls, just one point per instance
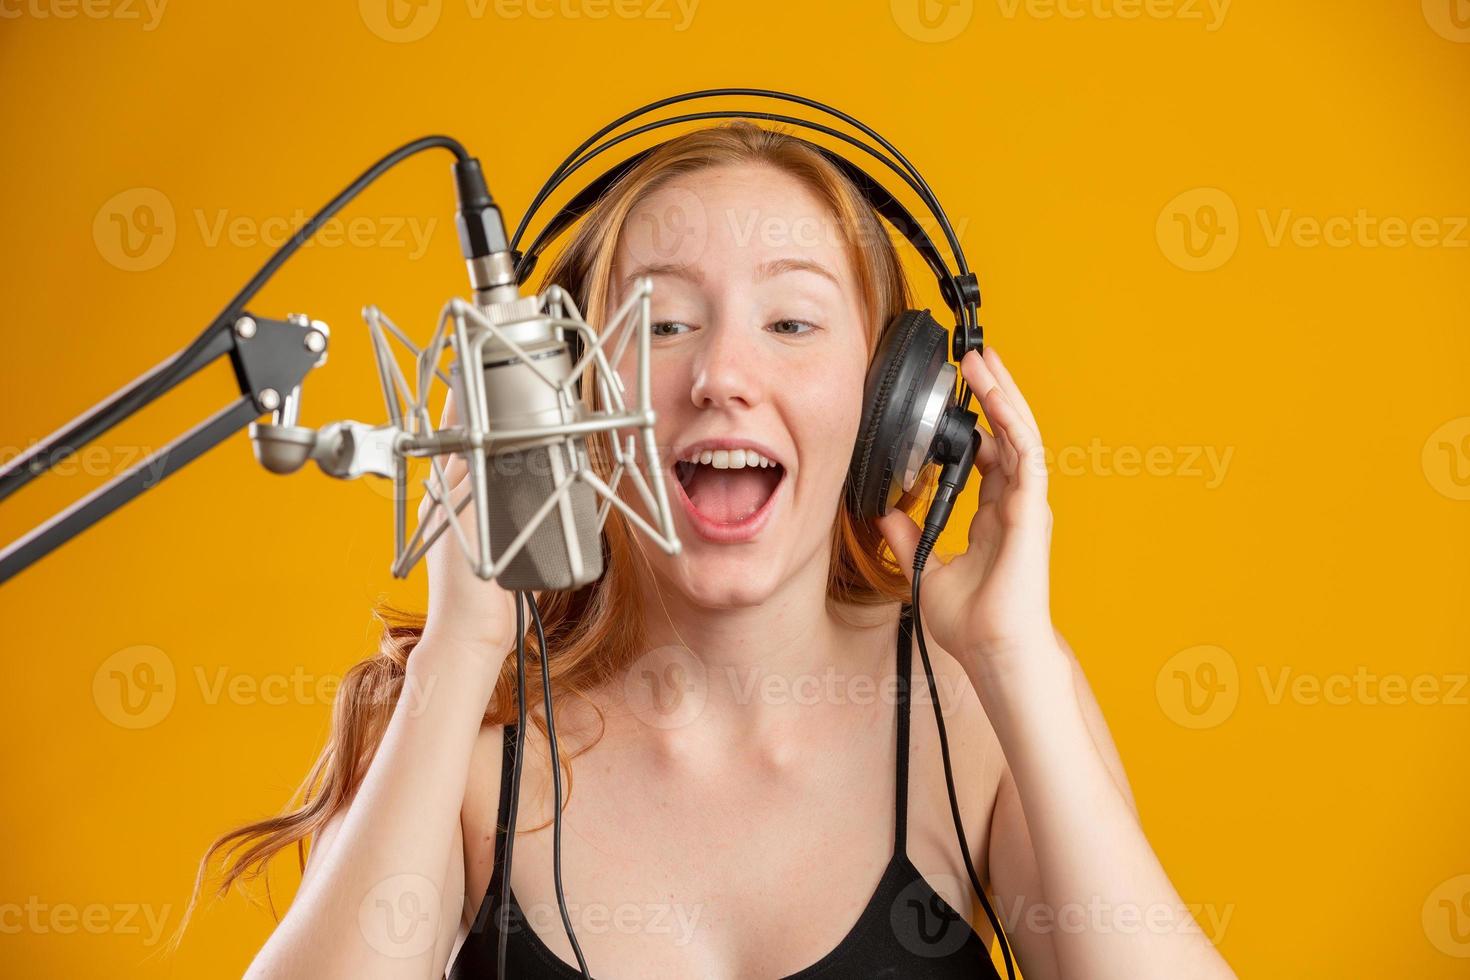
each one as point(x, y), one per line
point(955, 446)
point(482, 238)
point(481, 228)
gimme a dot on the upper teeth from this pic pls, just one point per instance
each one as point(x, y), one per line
point(729, 459)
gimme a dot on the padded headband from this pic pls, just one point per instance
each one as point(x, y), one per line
point(882, 201)
point(958, 285)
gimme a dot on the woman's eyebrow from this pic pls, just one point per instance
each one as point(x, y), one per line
point(767, 270)
point(776, 267)
point(677, 269)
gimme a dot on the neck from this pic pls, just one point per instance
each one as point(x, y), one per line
point(767, 669)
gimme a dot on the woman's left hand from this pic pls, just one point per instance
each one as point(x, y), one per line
point(991, 604)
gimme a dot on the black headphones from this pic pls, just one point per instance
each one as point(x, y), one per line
point(914, 401)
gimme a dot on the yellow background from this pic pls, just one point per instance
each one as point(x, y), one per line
point(1326, 833)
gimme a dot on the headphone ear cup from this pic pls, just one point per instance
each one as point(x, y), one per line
point(896, 401)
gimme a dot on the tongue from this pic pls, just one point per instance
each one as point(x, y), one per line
point(729, 496)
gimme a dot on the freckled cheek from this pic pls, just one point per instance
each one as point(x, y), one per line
point(825, 407)
point(669, 393)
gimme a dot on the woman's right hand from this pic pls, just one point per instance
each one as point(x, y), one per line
point(465, 611)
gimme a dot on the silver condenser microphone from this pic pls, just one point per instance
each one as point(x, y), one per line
point(565, 550)
point(524, 430)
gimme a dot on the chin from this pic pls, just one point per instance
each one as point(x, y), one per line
point(723, 580)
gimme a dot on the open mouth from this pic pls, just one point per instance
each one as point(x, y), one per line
point(730, 497)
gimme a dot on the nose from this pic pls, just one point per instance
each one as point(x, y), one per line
point(726, 370)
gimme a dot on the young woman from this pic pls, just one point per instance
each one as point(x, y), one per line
point(753, 795)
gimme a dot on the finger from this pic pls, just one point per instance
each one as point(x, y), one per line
point(1011, 431)
point(987, 454)
point(450, 416)
point(1001, 443)
point(990, 461)
point(979, 378)
point(902, 533)
point(1025, 462)
point(1009, 386)
point(993, 488)
point(450, 490)
point(977, 374)
point(456, 469)
point(453, 464)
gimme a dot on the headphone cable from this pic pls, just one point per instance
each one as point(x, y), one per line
point(524, 598)
point(959, 460)
point(954, 805)
point(561, 898)
point(515, 783)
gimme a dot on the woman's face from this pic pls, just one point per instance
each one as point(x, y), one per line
point(758, 348)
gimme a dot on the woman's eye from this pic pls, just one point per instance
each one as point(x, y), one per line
point(789, 328)
point(793, 328)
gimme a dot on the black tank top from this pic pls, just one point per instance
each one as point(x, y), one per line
point(906, 930)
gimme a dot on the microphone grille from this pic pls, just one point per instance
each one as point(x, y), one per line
point(518, 483)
